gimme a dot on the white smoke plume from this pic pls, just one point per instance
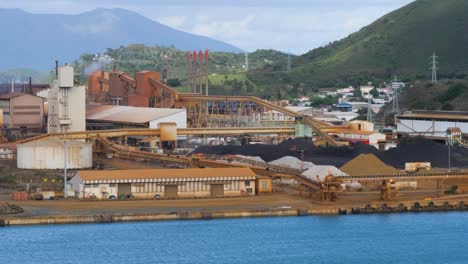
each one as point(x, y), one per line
point(99, 62)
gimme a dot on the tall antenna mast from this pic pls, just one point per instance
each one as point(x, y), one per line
point(395, 87)
point(246, 61)
point(289, 63)
point(434, 67)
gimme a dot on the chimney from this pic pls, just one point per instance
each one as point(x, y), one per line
point(56, 69)
point(30, 91)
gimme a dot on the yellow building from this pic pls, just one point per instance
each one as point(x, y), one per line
point(263, 185)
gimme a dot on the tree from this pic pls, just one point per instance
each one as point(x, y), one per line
point(174, 82)
point(374, 92)
point(357, 92)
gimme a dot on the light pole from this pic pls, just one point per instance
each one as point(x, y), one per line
point(449, 157)
point(65, 168)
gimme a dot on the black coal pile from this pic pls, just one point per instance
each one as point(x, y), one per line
point(336, 156)
point(424, 150)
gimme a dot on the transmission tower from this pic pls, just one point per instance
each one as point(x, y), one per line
point(369, 110)
point(289, 64)
point(246, 61)
point(434, 67)
point(395, 87)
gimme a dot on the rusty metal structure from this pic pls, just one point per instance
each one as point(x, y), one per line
point(203, 111)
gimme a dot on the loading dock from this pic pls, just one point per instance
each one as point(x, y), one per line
point(217, 190)
point(171, 191)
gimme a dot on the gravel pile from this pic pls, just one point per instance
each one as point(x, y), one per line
point(293, 162)
point(367, 164)
point(321, 171)
point(424, 150)
point(294, 148)
point(415, 150)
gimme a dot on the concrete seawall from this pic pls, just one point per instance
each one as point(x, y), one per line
point(438, 206)
point(112, 218)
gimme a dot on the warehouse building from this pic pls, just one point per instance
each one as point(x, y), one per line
point(23, 114)
point(116, 116)
point(431, 124)
point(164, 183)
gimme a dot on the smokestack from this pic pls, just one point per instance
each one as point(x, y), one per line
point(195, 71)
point(30, 86)
point(200, 61)
point(12, 86)
point(188, 69)
point(56, 69)
point(206, 72)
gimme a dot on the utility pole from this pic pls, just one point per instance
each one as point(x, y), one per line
point(434, 67)
point(289, 64)
point(369, 110)
point(395, 87)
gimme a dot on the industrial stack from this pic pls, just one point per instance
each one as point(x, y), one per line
point(66, 114)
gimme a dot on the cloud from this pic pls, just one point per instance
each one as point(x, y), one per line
point(173, 21)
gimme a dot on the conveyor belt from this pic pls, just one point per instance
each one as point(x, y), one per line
point(121, 152)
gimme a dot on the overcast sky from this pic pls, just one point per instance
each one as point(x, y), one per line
point(295, 26)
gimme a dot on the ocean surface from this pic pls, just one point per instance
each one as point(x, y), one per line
point(392, 238)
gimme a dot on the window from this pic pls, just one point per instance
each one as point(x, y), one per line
point(247, 183)
point(264, 185)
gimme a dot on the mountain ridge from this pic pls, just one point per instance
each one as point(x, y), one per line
point(38, 39)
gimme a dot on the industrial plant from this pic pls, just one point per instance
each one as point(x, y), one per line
point(133, 137)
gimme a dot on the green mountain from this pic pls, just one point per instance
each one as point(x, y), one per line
point(227, 74)
point(400, 43)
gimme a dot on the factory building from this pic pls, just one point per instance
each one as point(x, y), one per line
point(117, 116)
point(164, 183)
point(49, 154)
point(66, 103)
point(431, 124)
point(23, 114)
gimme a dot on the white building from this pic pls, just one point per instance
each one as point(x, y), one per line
point(49, 154)
point(66, 103)
point(431, 124)
point(129, 116)
point(164, 183)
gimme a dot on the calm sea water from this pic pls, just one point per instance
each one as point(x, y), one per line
point(396, 238)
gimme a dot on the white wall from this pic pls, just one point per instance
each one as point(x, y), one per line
point(429, 127)
point(31, 156)
point(179, 118)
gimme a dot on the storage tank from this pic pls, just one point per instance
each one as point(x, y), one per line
point(49, 154)
point(168, 131)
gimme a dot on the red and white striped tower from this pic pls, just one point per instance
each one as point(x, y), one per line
point(200, 62)
point(206, 72)
point(195, 74)
point(188, 55)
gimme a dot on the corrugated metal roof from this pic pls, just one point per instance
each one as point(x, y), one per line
point(9, 95)
point(53, 142)
point(445, 115)
point(165, 173)
point(127, 114)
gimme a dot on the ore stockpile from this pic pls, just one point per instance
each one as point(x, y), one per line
point(413, 150)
